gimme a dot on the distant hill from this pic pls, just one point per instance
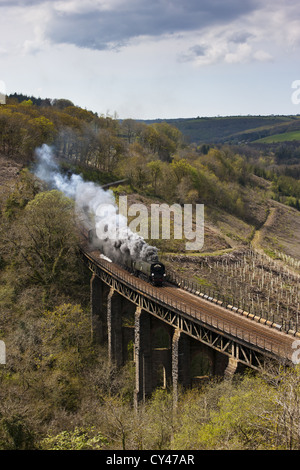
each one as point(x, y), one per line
point(236, 129)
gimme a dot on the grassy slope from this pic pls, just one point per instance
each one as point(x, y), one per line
point(225, 232)
point(284, 137)
point(235, 129)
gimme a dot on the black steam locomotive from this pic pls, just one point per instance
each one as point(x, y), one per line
point(151, 271)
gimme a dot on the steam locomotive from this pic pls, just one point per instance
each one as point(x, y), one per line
point(151, 271)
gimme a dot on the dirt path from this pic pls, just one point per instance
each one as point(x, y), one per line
point(258, 235)
point(257, 240)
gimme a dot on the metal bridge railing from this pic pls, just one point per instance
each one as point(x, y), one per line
point(207, 319)
point(230, 303)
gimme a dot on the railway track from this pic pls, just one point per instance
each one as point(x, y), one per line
point(236, 325)
point(231, 324)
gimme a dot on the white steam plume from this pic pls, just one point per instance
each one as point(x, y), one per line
point(119, 242)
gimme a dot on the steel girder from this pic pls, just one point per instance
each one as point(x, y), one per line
point(246, 353)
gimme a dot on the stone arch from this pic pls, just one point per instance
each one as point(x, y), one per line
point(160, 337)
point(161, 352)
point(201, 365)
point(161, 376)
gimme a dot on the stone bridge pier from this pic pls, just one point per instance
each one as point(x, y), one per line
point(164, 355)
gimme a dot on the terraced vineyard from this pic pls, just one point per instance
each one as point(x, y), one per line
point(248, 279)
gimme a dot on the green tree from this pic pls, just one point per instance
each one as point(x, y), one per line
point(65, 352)
point(131, 129)
point(159, 411)
point(155, 168)
point(79, 439)
point(25, 189)
point(27, 102)
point(240, 415)
point(286, 419)
point(62, 103)
point(181, 168)
point(162, 139)
point(42, 131)
point(44, 241)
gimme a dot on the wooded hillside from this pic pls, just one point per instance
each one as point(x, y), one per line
point(58, 389)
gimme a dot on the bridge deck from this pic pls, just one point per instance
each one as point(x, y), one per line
point(217, 317)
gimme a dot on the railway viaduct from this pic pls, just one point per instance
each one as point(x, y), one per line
point(174, 337)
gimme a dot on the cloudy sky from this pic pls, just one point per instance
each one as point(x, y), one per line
point(149, 59)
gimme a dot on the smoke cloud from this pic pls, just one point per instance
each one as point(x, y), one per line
point(96, 208)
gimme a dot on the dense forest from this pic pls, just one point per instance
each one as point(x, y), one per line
point(58, 389)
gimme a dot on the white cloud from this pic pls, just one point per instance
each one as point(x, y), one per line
point(235, 32)
point(22, 30)
point(149, 59)
point(104, 25)
point(217, 47)
point(267, 33)
point(86, 6)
